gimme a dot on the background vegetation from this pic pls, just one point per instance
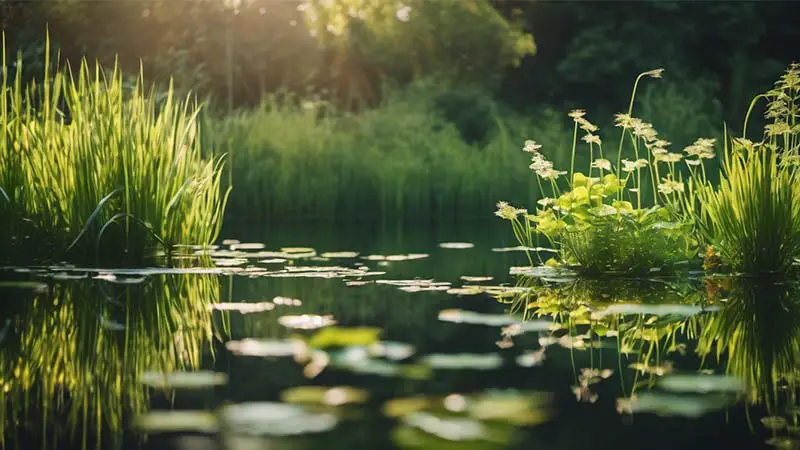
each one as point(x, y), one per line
point(334, 108)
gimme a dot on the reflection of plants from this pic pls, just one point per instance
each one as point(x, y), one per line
point(645, 318)
point(78, 351)
point(758, 333)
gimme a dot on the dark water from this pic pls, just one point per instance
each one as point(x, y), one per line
point(556, 363)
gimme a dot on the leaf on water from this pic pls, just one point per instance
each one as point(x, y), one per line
point(273, 261)
point(267, 347)
point(330, 396)
point(456, 245)
point(274, 419)
point(340, 255)
point(230, 242)
point(343, 337)
point(356, 283)
point(183, 380)
point(774, 422)
point(399, 407)
point(229, 262)
point(652, 309)
point(470, 279)
point(306, 321)
point(515, 326)
point(286, 301)
point(701, 383)
point(448, 428)
point(692, 406)
point(243, 307)
point(63, 276)
point(510, 406)
point(112, 278)
point(474, 361)
point(247, 246)
point(466, 290)
point(177, 421)
point(392, 350)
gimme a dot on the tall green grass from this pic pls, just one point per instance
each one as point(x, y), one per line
point(401, 159)
point(752, 218)
point(90, 166)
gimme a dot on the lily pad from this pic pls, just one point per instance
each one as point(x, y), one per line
point(177, 421)
point(183, 380)
point(473, 361)
point(330, 396)
point(275, 419)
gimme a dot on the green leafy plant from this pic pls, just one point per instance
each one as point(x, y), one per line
point(752, 219)
point(605, 223)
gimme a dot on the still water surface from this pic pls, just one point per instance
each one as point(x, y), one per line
point(401, 336)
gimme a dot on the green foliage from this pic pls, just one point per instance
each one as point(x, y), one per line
point(600, 223)
point(401, 159)
point(86, 166)
point(753, 218)
point(466, 40)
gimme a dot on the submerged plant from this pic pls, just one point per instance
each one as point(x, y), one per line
point(89, 164)
point(752, 218)
point(599, 220)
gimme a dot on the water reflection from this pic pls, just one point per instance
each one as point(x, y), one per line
point(681, 347)
point(75, 351)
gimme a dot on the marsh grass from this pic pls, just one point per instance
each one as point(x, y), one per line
point(401, 160)
point(64, 368)
point(752, 219)
point(90, 166)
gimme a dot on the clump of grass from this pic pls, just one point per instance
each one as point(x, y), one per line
point(606, 223)
point(89, 164)
point(752, 219)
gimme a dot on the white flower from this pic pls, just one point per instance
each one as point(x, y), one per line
point(655, 73)
point(669, 157)
point(577, 114)
point(670, 187)
point(693, 162)
point(531, 146)
point(602, 164)
point(630, 166)
point(591, 139)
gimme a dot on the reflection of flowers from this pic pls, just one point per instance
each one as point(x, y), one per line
point(587, 378)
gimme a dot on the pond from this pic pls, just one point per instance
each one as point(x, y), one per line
point(395, 336)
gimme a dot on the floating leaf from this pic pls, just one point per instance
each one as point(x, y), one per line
point(343, 337)
point(470, 279)
point(340, 255)
point(266, 347)
point(177, 421)
point(464, 361)
point(244, 308)
point(456, 245)
point(274, 419)
point(248, 246)
point(701, 383)
point(183, 380)
point(333, 396)
point(306, 321)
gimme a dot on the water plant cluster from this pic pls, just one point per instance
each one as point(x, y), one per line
point(89, 162)
point(643, 207)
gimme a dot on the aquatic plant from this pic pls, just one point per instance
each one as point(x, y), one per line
point(752, 219)
point(89, 164)
point(603, 223)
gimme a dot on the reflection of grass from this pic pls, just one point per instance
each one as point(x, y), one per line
point(758, 331)
point(68, 361)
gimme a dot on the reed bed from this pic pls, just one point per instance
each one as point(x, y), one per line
point(94, 167)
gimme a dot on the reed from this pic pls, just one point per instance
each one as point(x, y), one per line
point(93, 167)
